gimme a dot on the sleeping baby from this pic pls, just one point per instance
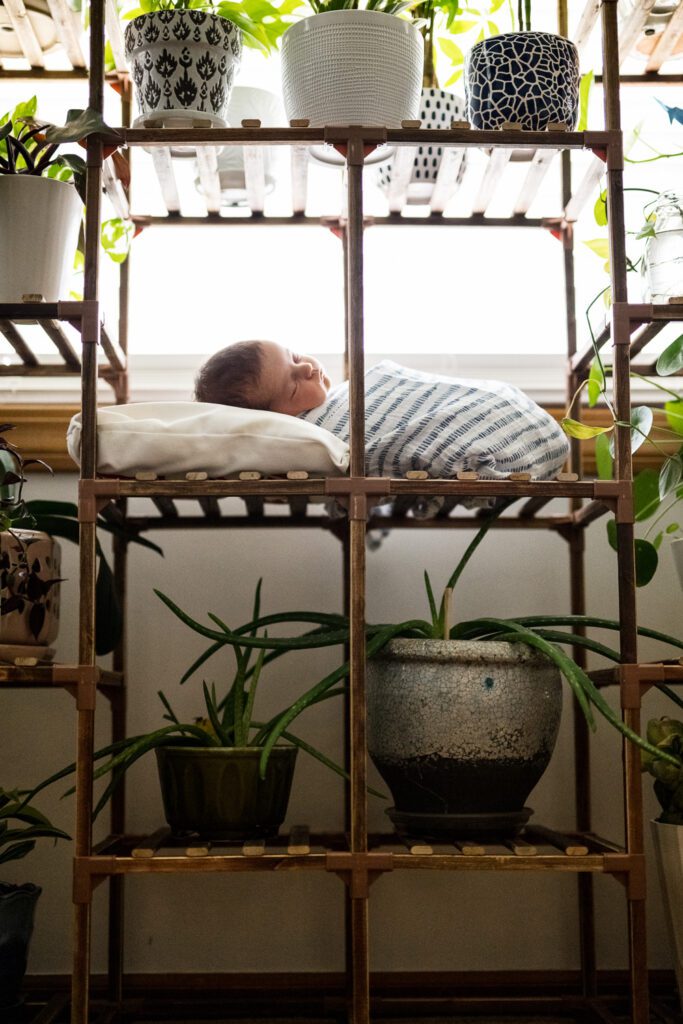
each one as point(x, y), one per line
point(413, 420)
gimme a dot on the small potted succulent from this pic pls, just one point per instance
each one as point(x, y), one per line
point(20, 826)
point(353, 63)
point(666, 735)
point(184, 55)
point(41, 202)
point(524, 78)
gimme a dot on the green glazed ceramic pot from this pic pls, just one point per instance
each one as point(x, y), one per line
point(217, 791)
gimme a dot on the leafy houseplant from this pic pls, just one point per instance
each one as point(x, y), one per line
point(184, 54)
point(20, 826)
point(385, 52)
point(29, 560)
point(27, 584)
point(37, 200)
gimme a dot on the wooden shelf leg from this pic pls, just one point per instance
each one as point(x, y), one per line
point(80, 982)
point(360, 974)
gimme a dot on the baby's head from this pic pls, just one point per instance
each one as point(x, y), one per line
point(262, 375)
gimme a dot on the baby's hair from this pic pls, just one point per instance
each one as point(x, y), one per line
point(230, 377)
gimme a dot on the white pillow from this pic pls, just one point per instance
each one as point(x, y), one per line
point(180, 437)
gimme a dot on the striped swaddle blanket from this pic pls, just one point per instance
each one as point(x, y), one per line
point(445, 425)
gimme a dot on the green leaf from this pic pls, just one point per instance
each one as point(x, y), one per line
point(452, 50)
point(600, 209)
point(641, 424)
point(672, 528)
point(585, 87)
point(108, 616)
point(671, 359)
point(647, 560)
point(646, 496)
point(670, 475)
point(674, 415)
point(461, 25)
point(116, 236)
point(603, 459)
point(79, 124)
point(600, 246)
point(582, 430)
point(596, 383)
point(612, 533)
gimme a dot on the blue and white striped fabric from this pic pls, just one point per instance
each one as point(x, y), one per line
point(445, 425)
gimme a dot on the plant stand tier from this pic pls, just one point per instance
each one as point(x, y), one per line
point(537, 848)
point(50, 317)
point(165, 143)
point(645, 322)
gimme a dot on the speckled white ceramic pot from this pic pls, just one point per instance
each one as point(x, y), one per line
point(461, 727)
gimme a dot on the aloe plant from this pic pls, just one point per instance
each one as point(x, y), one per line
point(21, 825)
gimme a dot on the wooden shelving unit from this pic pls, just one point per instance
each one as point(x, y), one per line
point(356, 856)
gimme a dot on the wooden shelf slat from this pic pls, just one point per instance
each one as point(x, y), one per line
point(68, 31)
point(445, 183)
point(255, 178)
point(586, 188)
point(10, 332)
point(163, 165)
point(540, 165)
point(401, 171)
point(498, 161)
point(299, 167)
point(115, 35)
point(632, 27)
point(66, 350)
point(28, 40)
point(667, 41)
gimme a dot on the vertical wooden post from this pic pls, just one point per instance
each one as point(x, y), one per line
point(624, 472)
point(86, 656)
point(360, 985)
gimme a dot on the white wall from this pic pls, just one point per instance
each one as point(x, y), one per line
point(513, 921)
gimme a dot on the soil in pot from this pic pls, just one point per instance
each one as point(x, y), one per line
point(217, 792)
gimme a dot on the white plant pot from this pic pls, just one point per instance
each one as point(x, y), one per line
point(182, 64)
point(677, 551)
point(352, 67)
point(668, 840)
point(39, 222)
point(247, 102)
point(437, 109)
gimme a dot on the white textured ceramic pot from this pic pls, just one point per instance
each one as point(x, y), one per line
point(30, 562)
point(183, 63)
point(461, 732)
point(352, 67)
point(247, 102)
point(437, 109)
point(527, 78)
point(39, 222)
point(668, 840)
point(677, 551)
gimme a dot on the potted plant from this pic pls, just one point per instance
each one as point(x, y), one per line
point(29, 564)
point(214, 780)
point(437, 106)
point(30, 560)
point(666, 735)
point(540, 635)
point(20, 826)
point(41, 197)
point(184, 55)
point(524, 78)
point(352, 64)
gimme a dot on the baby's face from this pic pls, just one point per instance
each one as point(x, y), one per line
point(289, 382)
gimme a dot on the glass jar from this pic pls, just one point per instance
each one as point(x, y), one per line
point(663, 259)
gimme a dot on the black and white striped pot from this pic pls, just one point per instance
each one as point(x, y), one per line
point(183, 64)
point(437, 109)
point(526, 78)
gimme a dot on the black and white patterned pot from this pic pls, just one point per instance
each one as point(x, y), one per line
point(437, 110)
point(183, 64)
point(527, 78)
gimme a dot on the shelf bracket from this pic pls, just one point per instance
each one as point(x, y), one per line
point(352, 492)
point(93, 496)
point(634, 879)
point(80, 681)
point(616, 494)
point(84, 881)
point(359, 870)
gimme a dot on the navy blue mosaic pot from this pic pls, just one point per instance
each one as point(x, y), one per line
point(527, 78)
